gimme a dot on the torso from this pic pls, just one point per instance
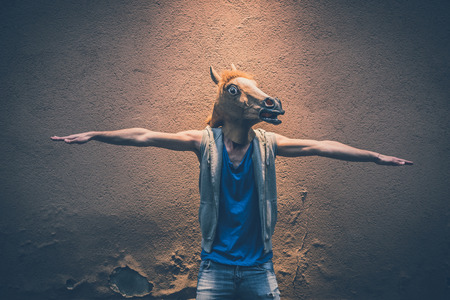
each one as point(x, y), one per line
point(236, 152)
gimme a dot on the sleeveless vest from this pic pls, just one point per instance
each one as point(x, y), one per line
point(264, 152)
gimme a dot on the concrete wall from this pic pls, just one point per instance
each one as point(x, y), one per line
point(78, 219)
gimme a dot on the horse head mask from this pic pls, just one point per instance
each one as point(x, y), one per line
point(240, 104)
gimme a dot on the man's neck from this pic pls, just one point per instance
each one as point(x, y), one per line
point(238, 132)
point(231, 146)
point(236, 152)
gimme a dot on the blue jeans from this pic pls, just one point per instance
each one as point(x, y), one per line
point(218, 281)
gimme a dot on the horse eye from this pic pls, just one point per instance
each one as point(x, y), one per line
point(233, 90)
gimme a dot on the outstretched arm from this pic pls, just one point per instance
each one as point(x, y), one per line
point(181, 141)
point(300, 147)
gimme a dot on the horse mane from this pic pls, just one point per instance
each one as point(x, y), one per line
point(230, 75)
point(226, 76)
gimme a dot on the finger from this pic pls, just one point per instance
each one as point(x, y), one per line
point(57, 138)
point(69, 140)
point(403, 162)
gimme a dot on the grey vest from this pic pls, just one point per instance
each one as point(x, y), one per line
point(264, 151)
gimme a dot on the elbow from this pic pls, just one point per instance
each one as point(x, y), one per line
point(139, 137)
point(145, 139)
point(325, 148)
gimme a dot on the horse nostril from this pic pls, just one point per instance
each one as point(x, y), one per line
point(269, 103)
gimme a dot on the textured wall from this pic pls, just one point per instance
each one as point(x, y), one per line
point(372, 74)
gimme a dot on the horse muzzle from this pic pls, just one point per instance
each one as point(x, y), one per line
point(270, 110)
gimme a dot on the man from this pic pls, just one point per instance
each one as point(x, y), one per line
point(237, 182)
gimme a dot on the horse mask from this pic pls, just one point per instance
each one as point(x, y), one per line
point(240, 104)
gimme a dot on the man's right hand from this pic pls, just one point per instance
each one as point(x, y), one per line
point(79, 138)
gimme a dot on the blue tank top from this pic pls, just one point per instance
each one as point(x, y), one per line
point(238, 237)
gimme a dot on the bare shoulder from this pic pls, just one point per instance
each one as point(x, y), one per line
point(281, 139)
point(295, 147)
point(286, 141)
point(193, 136)
point(189, 140)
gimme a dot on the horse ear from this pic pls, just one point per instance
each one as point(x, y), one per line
point(214, 75)
point(233, 67)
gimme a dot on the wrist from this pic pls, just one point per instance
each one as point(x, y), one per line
point(377, 157)
point(92, 135)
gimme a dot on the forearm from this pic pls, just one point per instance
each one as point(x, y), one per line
point(341, 151)
point(128, 137)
